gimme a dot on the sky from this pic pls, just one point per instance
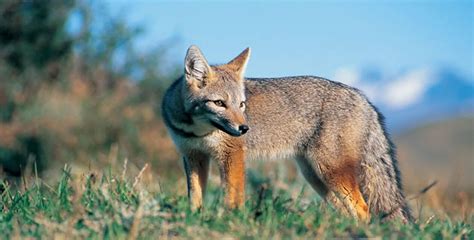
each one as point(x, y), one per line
point(322, 38)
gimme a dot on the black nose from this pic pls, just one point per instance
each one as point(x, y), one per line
point(243, 129)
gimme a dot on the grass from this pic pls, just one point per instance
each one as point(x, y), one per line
point(110, 206)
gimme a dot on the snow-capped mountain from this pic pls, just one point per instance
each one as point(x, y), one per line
point(413, 97)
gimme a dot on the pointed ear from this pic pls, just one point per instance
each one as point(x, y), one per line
point(196, 68)
point(239, 63)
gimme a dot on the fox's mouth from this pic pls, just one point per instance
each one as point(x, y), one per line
point(226, 128)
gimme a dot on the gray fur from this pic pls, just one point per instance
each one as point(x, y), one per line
point(328, 127)
point(299, 109)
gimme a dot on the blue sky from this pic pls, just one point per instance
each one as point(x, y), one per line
point(312, 38)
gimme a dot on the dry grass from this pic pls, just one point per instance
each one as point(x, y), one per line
point(124, 203)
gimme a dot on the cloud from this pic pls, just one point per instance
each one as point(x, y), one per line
point(347, 76)
point(395, 93)
point(353, 78)
point(407, 89)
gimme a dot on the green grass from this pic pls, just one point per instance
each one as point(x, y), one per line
point(111, 207)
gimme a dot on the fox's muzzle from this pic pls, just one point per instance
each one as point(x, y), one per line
point(226, 127)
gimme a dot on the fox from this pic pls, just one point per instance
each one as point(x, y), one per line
point(336, 135)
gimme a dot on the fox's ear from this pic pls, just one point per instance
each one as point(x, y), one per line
point(196, 68)
point(239, 63)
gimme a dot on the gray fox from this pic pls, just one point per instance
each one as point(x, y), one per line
point(336, 136)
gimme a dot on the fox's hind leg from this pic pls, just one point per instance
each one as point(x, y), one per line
point(335, 157)
point(196, 166)
point(310, 173)
point(342, 182)
point(340, 188)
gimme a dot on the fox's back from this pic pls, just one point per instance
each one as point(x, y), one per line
point(284, 113)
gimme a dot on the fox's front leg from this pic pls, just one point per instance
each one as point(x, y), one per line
point(232, 171)
point(196, 166)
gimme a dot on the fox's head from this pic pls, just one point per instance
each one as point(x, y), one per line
point(215, 95)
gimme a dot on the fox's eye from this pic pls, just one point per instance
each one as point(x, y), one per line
point(242, 104)
point(219, 103)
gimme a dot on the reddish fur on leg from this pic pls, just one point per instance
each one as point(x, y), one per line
point(343, 181)
point(233, 178)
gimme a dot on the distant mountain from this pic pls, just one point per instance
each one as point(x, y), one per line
point(442, 151)
point(414, 97)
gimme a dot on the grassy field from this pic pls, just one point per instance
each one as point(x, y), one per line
point(92, 99)
point(110, 205)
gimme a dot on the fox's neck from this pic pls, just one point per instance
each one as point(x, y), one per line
point(178, 119)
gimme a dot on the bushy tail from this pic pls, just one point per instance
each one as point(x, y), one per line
point(380, 177)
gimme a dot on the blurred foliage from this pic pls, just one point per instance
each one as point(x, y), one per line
point(74, 86)
point(32, 33)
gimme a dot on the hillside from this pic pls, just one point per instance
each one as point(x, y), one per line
point(441, 151)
